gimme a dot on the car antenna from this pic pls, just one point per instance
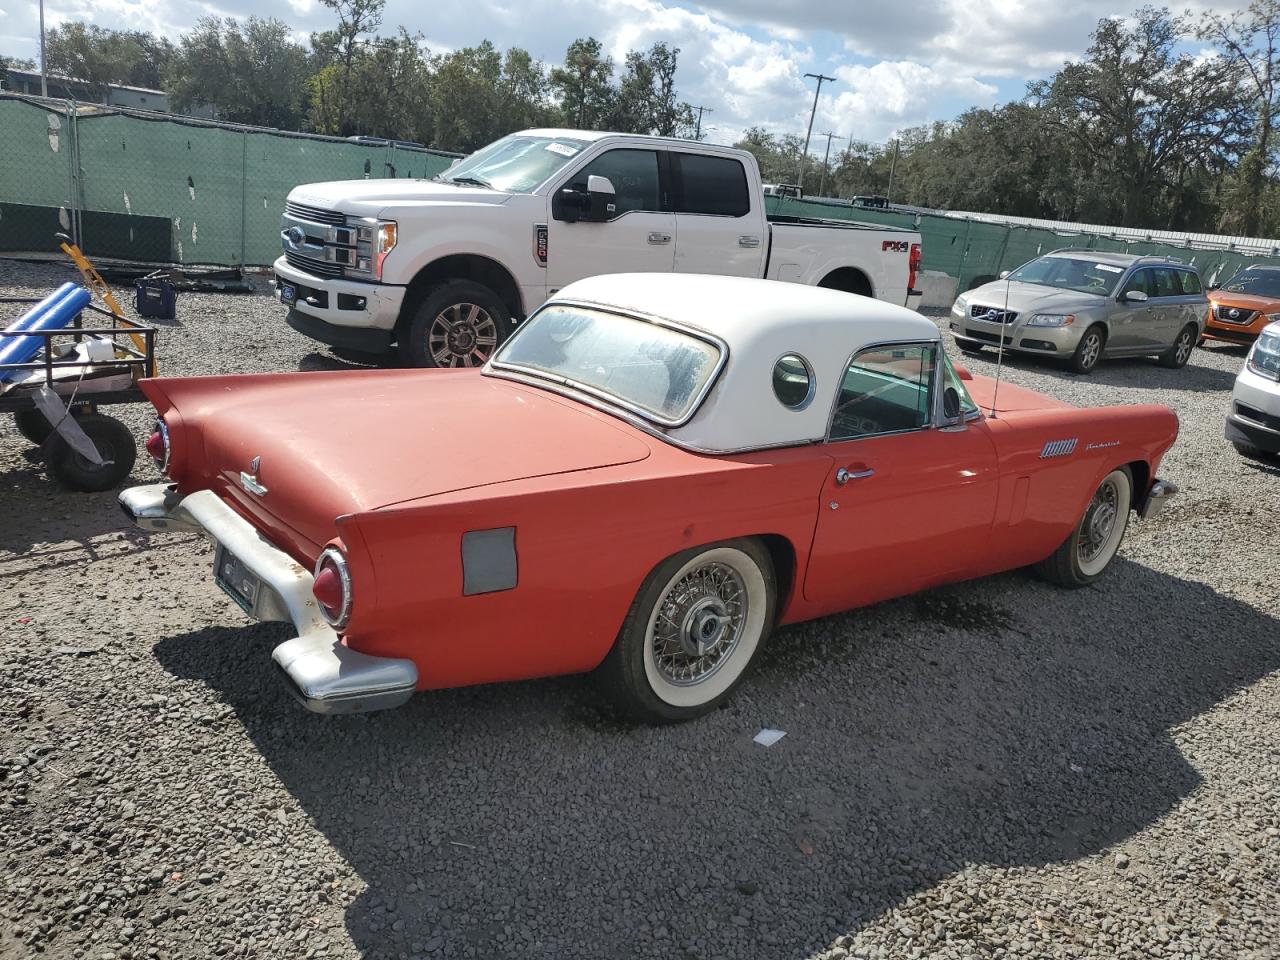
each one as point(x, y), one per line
point(1004, 319)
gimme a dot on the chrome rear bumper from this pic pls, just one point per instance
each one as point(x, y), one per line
point(1162, 491)
point(320, 670)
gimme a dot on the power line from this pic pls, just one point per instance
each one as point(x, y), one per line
point(698, 132)
point(826, 157)
point(821, 79)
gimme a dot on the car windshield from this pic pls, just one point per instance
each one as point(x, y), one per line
point(1265, 283)
point(653, 370)
point(517, 164)
point(1069, 273)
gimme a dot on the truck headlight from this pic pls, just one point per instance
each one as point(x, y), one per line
point(1264, 358)
point(374, 240)
point(1051, 320)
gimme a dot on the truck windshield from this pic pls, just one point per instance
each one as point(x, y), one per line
point(1068, 273)
point(517, 164)
point(652, 370)
point(1265, 283)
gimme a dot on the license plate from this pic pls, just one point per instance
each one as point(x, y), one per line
point(237, 581)
point(288, 293)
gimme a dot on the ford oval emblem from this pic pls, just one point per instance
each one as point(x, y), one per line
point(296, 236)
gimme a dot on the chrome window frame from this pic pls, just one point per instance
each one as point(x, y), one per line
point(532, 375)
point(935, 420)
point(813, 382)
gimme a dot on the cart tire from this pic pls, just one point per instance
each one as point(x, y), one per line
point(32, 425)
point(114, 442)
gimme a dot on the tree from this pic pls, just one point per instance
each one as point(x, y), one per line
point(1251, 38)
point(386, 93)
point(356, 18)
point(583, 84)
point(1142, 116)
point(645, 101)
point(99, 56)
point(250, 72)
point(16, 63)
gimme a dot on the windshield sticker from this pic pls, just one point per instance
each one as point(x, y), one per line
point(562, 148)
point(1107, 267)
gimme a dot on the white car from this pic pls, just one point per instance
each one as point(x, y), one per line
point(445, 268)
point(1253, 424)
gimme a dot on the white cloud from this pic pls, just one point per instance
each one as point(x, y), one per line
point(875, 101)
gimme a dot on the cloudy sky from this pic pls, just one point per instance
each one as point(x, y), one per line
point(896, 62)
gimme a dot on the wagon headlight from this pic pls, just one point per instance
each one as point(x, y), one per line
point(1264, 358)
point(958, 308)
point(1051, 320)
point(332, 587)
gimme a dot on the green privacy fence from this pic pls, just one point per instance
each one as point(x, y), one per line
point(153, 188)
point(976, 251)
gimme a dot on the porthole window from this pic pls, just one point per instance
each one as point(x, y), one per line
point(793, 381)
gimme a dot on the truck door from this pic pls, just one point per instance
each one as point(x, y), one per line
point(637, 236)
point(720, 226)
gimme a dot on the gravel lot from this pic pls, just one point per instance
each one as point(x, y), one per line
point(996, 769)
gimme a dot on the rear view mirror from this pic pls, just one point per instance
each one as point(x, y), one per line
point(1003, 274)
point(1134, 296)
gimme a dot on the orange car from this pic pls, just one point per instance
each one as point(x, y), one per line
point(1241, 307)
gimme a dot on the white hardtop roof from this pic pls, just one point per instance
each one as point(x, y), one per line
point(760, 321)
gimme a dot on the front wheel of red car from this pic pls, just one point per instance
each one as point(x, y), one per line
point(1085, 555)
point(692, 632)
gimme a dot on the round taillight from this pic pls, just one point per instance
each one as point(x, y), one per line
point(158, 446)
point(332, 587)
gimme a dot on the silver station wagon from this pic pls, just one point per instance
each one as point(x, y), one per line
point(1082, 305)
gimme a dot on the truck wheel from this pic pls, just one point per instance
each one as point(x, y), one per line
point(1176, 357)
point(32, 425)
point(115, 444)
point(458, 324)
point(692, 632)
point(1089, 350)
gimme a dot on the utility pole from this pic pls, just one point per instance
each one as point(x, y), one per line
point(888, 197)
point(44, 82)
point(822, 184)
point(820, 78)
point(697, 135)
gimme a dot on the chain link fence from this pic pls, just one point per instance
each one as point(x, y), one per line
point(155, 188)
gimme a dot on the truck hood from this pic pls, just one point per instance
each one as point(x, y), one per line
point(334, 443)
point(367, 197)
point(1025, 297)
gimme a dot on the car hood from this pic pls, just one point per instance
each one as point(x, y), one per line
point(1025, 297)
point(1009, 398)
point(368, 197)
point(1248, 301)
point(334, 443)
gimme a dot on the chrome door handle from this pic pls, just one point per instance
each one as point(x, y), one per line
point(748, 241)
point(843, 475)
point(659, 238)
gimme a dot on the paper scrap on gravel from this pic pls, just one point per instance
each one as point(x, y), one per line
point(769, 736)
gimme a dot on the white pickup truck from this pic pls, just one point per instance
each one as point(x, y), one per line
point(444, 268)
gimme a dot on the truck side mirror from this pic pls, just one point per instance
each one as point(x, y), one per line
point(595, 204)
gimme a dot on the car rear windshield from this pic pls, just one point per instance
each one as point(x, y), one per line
point(654, 370)
point(1265, 283)
point(1069, 273)
point(517, 164)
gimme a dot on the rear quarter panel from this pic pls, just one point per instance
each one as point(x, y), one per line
point(584, 544)
point(808, 253)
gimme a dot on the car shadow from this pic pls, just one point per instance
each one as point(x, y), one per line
point(340, 359)
point(1133, 372)
point(987, 723)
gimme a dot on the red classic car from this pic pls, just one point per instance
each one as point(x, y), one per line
point(647, 478)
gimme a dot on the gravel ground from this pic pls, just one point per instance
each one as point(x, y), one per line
point(995, 769)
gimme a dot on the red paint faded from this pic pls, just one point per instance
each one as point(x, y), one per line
point(398, 465)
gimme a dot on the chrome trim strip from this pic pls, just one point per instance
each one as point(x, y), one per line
point(496, 366)
point(1158, 497)
point(344, 575)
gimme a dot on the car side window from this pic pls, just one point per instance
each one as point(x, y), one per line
point(1141, 282)
point(1191, 284)
point(715, 186)
point(885, 389)
point(1166, 282)
point(634, 175)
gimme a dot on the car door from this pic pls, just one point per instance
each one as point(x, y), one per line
point(907, 504)
point(719, 227)
point(1131, 322)
point(1194, 305)
point(639, 234)
point(1168, 307)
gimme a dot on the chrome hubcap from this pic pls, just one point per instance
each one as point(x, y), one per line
point(1089, 355)
point(462, 335)
point(1099, 521)
point(1184, 348)
point(699, 623)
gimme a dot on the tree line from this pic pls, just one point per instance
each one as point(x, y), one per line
point(1139, 132)
point(1166, 122)
point(351, 80)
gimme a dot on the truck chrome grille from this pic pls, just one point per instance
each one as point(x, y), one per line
point(315, 214)
point(313, 266)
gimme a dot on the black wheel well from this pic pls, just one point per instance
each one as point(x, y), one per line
point(850, 280)
point(1141, 471)
point(783, 554)
point(465, 266)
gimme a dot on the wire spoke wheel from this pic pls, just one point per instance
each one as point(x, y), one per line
point(699, 623)
point(462, 335)
point(1099, 521)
